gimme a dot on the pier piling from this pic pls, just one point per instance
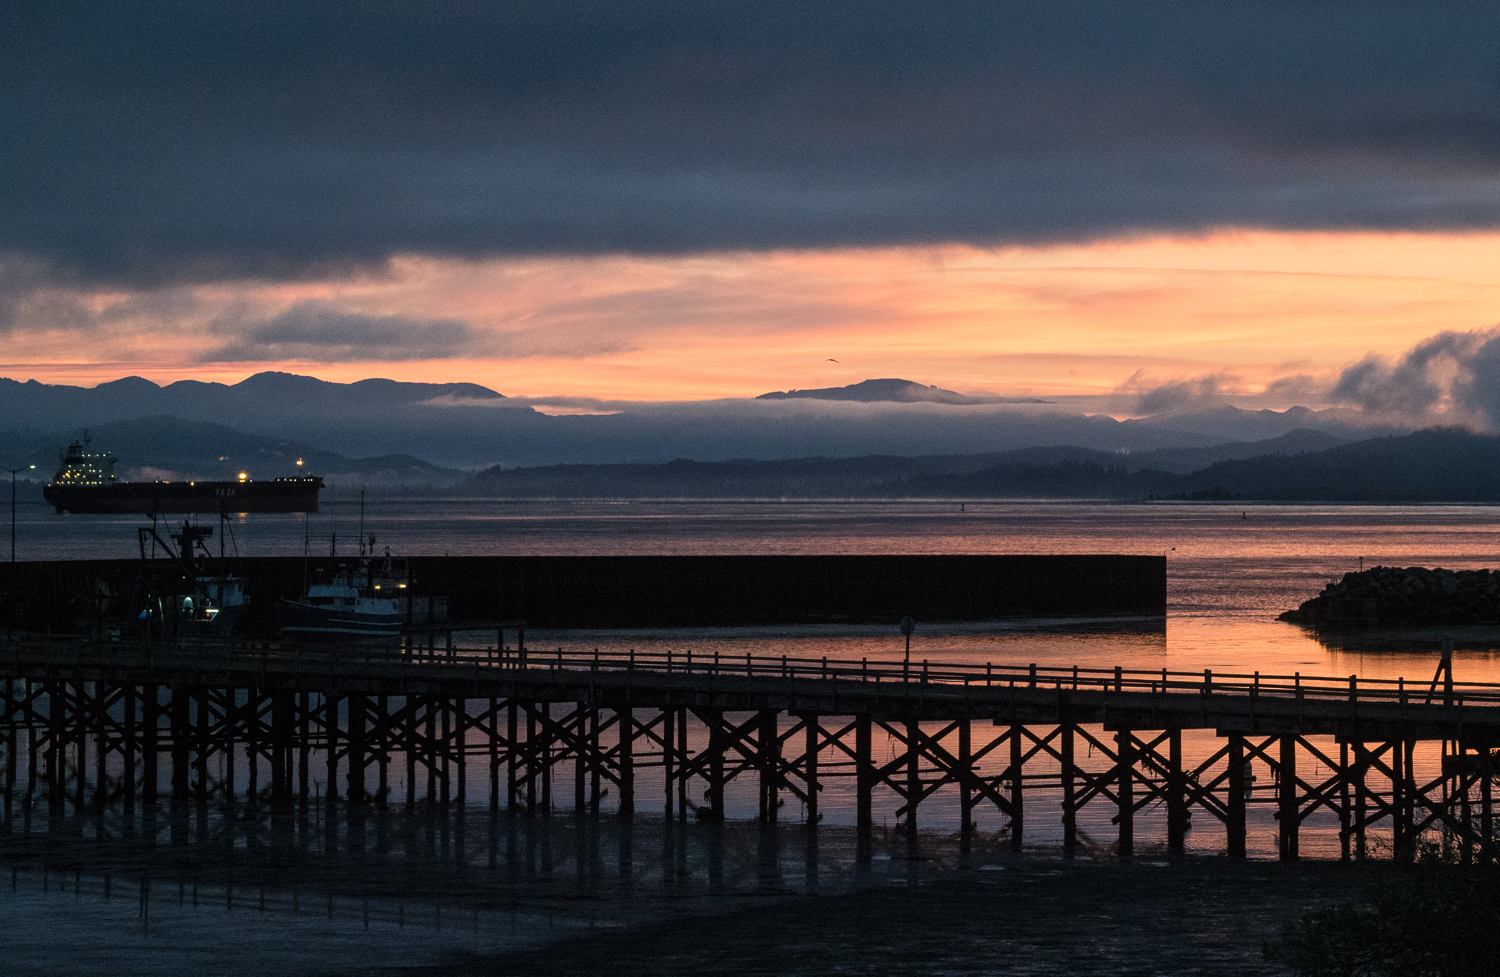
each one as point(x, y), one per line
point(87, 724)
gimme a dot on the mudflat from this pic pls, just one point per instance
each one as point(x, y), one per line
point(1197, 916)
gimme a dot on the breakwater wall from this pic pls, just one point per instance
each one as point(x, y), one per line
point(653, 591)
point(1404, 597)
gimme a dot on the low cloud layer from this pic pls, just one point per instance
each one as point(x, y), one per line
point(1145, 395)
point(1450, 378)
point(1175, 395)
point(150, 143)
point(1453, 377)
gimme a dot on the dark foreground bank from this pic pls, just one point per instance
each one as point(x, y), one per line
point(1023, 918)
point(556, 898)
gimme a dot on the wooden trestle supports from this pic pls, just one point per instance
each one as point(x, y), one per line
point(1019, 741)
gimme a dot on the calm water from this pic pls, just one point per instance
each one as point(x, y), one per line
point(1230, 571)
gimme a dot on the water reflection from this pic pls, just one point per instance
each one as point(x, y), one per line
point(387, 887)
point(729, 898)
point(383, 887)
point(1228, 576)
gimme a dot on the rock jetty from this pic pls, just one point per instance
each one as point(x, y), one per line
point(1409, 597)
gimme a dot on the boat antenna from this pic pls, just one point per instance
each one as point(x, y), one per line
point(361, 522)
point(306, 550)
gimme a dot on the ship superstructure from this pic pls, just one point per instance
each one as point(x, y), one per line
point(82, 468)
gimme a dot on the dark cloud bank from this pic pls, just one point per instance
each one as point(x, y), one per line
point(321, 331)
point(149, 142)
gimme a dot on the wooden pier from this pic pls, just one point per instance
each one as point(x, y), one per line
point(84, 725)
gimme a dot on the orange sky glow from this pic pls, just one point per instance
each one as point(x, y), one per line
point(1079, 319)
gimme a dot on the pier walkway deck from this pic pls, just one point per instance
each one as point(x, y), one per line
point(529, 721)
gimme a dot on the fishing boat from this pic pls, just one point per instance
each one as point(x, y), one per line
point(187, 600)
point(365, 598)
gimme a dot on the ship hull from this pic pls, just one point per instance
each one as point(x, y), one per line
point(305, 621)
point(155, 498)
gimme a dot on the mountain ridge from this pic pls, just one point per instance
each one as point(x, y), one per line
point(891, 390)
point(1054, 472)
point(465, 426)
point(1434, 465)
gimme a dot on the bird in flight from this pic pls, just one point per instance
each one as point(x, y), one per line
point(832, 360)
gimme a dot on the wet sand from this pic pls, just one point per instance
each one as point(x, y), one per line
point(1033, 916)
point(234, 905)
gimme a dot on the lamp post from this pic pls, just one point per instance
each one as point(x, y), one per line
point(13, 472)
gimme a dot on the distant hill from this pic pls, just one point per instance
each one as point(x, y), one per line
point(1438, 465)
point(1441, 465)
point(1435, 465)
point(1031, 473)
point(464, 425)
point(889, 390)
point(449, 427)
point(1185, 460)
point(32, 403)
point(741, 479)
point(1238, 424)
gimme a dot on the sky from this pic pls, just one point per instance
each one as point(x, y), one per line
point(1142, 205)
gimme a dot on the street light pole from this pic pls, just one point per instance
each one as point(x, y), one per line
point(13, 472)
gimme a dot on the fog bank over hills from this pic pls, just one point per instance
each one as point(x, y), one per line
point(467, 426)
point(1228, 423)
point(462, 439)
point(1043, 472)
point(1438, 465)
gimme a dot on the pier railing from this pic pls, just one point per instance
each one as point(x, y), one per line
point(323, 660)
point(998, 736)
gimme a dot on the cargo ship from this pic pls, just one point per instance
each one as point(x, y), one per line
point(86, 483)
